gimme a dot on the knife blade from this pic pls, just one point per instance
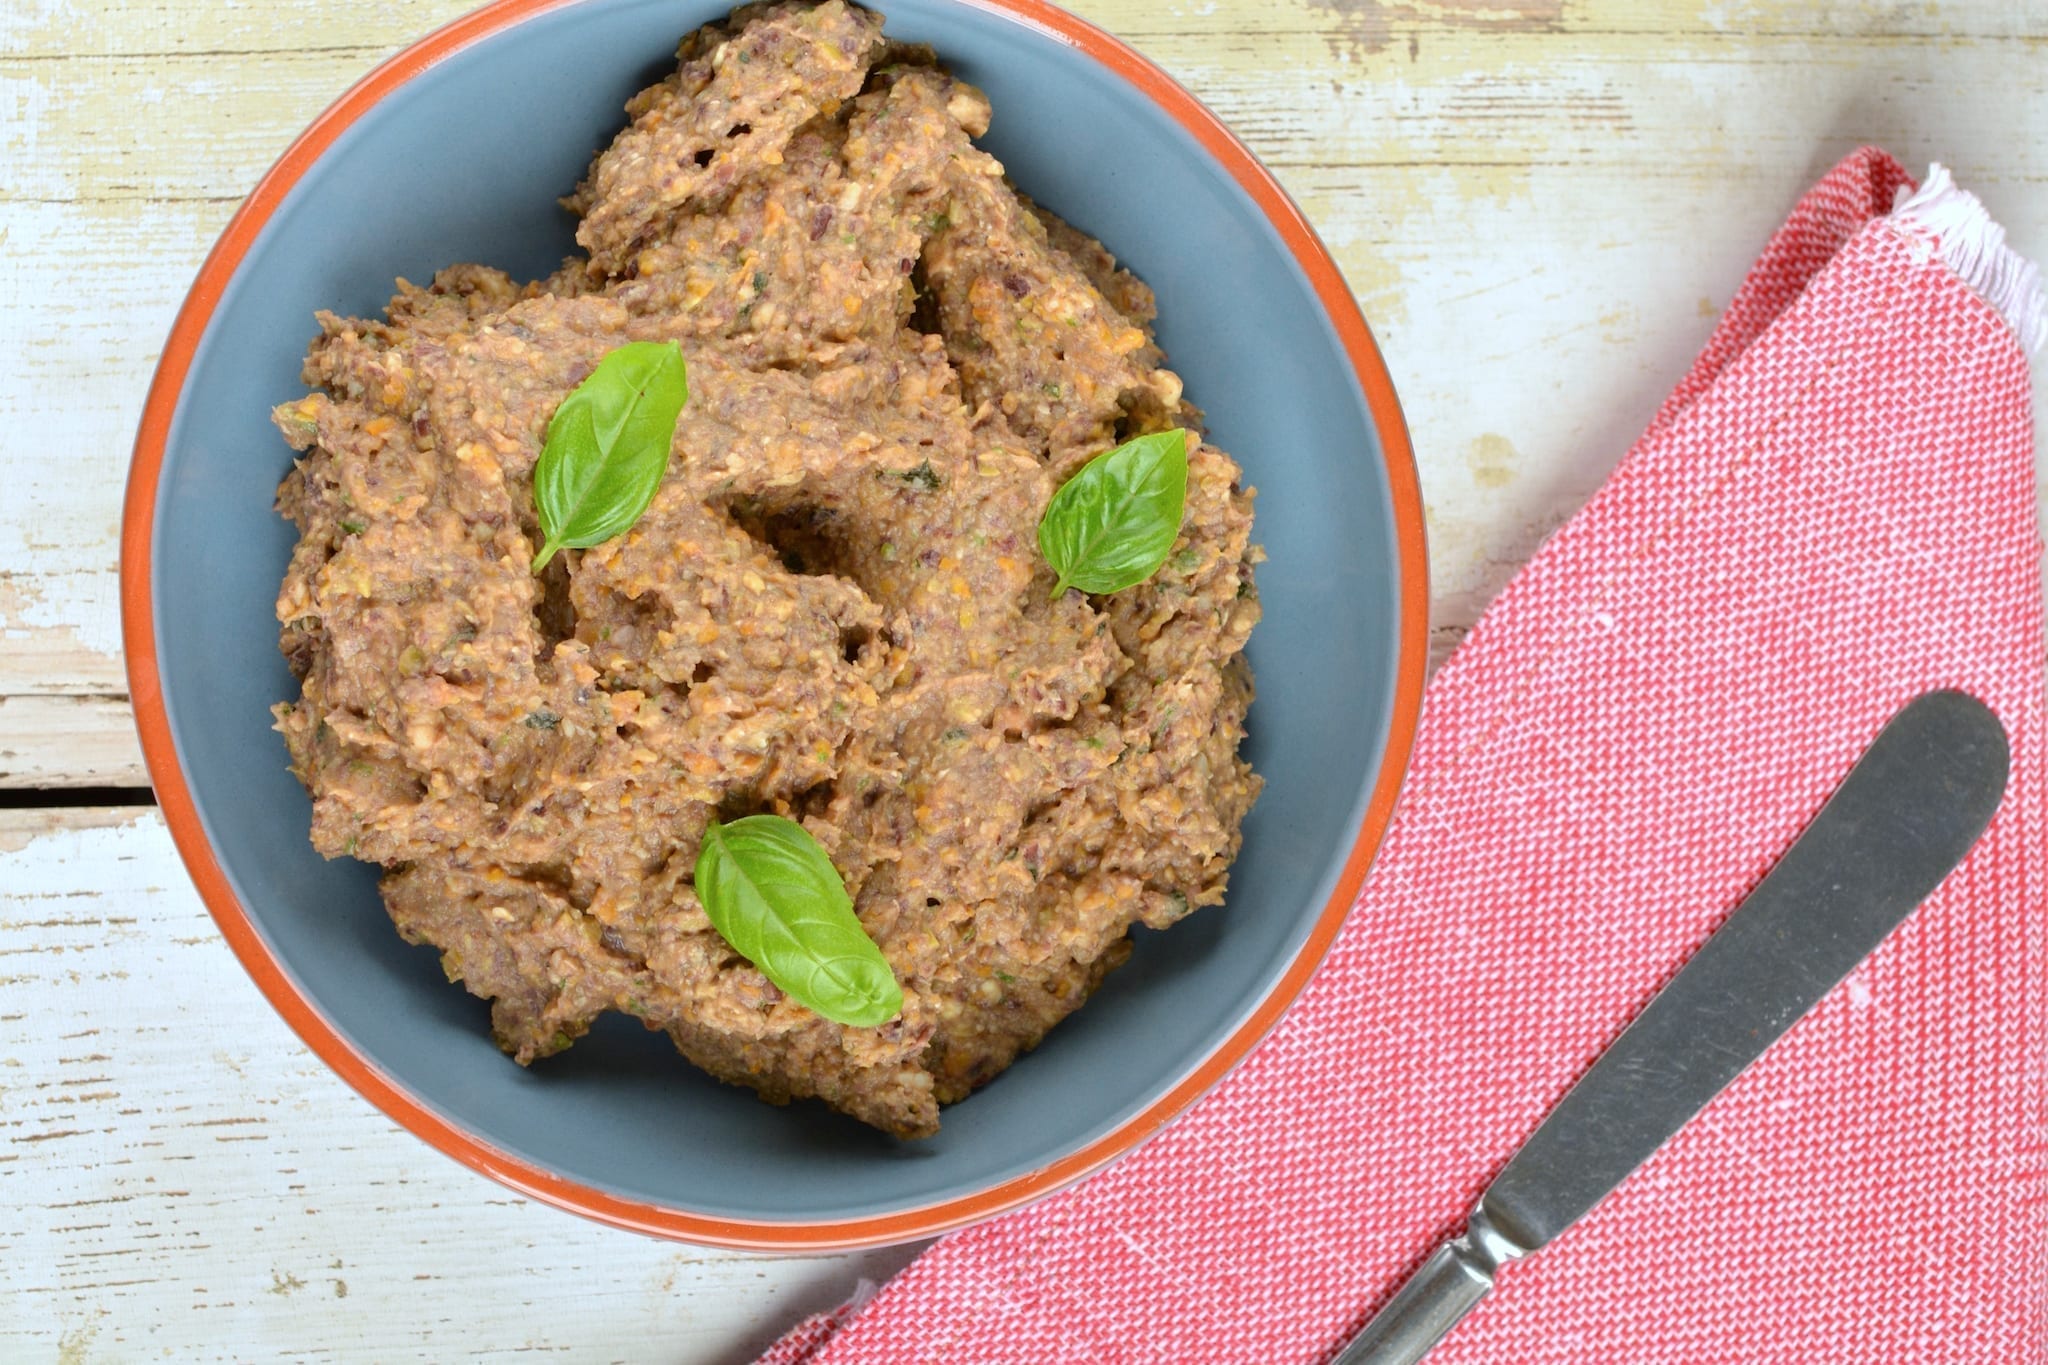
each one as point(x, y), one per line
point(1907, 813)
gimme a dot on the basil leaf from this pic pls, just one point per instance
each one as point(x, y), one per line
point(1114, 522)
point(772, 893)
point(607, 446)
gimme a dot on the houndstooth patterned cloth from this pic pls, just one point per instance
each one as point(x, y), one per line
point(1833, 513)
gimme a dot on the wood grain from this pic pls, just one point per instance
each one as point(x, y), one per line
point(1542, 205)
point(182, 1180)
point(56, 740)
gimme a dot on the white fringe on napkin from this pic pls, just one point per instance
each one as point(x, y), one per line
point(1957, 226)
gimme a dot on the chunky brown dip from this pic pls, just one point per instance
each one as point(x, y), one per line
point(835, 608)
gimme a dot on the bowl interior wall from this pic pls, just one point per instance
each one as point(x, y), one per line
point(464, 164)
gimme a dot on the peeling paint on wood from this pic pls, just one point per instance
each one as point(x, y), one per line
point(58, 740)
point(1540, 203)
point(1370, 26)
point(181, 1179)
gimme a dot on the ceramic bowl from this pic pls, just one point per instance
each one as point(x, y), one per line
point(455, 150)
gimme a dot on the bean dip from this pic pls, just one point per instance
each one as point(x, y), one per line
point(834, 609)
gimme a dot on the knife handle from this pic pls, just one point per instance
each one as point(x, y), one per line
point(1446, 1288)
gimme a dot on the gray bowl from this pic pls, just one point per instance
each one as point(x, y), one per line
point(455, 151)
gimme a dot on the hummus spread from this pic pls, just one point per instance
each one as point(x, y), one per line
point(834, 609)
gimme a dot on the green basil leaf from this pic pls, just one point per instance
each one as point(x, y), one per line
point(1114, 522)
point(772, 893)
point(607, 446)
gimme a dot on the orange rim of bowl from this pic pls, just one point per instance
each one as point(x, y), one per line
point(138, 629)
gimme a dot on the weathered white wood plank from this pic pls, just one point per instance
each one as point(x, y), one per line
point(60, 740)
point(1691, 105)
point(47, 29)
point(181, 1179)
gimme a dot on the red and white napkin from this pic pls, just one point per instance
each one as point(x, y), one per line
point(1833, 513)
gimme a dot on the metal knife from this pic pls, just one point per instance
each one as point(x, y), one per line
point(1908, 811)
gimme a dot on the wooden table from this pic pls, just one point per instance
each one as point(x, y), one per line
point(1541, 204)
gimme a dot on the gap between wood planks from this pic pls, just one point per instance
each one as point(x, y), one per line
point(42, 798)
point(29, 813)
